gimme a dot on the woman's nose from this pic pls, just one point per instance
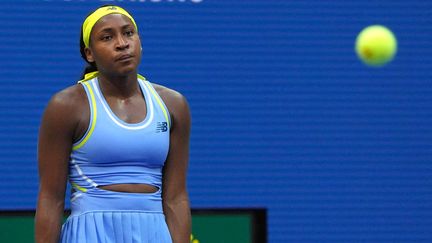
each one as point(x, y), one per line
point(122, 43)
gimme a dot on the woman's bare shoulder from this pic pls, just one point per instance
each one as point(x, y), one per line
point(175, 102)
point(172, 98)
point(168, 93)
point(67, 103)
point(71, 95)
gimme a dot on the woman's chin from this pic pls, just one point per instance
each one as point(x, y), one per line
point(127, 70)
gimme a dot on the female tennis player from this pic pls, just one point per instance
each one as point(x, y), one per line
point(122, 142)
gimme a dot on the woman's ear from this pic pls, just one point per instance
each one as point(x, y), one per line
point(89, 54)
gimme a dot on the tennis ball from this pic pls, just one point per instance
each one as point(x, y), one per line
point(376, 45)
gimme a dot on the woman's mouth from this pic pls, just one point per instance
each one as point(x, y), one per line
point(124, 57)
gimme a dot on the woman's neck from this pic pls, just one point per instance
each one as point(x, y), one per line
point(119, 86)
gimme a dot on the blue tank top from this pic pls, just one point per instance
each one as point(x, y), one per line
point(113, 151)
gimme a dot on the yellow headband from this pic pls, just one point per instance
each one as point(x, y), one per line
point(91, 20)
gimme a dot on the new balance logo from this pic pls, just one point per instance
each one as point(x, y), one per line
point(162, 127)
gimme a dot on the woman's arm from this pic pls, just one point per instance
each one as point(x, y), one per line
point(174, 194)
point(54, 146)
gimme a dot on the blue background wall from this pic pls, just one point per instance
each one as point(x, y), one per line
point(284, 114)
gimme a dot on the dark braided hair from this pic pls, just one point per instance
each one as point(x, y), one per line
point(91, 66)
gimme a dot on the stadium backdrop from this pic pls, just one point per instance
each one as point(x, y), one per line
point(285, 117)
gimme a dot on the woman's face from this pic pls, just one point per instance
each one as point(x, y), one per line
point(115, 46)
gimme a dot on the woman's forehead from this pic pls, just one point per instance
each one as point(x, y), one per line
point(112, 21)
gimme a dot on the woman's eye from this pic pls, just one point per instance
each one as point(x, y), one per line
point(106, 37)
point(129, 33)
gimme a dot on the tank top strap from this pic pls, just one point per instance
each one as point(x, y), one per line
point(93, 114)
point(159, 104)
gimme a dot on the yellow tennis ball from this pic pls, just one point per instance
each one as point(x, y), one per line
point(376, 45)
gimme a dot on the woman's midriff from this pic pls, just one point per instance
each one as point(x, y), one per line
point(132, 188)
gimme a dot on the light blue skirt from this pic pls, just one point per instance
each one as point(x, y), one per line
point(100, 216)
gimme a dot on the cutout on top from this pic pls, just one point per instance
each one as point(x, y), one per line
point(130, 188)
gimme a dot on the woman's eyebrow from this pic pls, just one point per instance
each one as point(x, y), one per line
point(107, 29)
point(110, 29)
point(126, 26)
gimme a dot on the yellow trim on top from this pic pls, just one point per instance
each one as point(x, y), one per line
point(89, 76)
point(94, 117)
point(74, 185)
point(159, 102)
